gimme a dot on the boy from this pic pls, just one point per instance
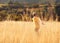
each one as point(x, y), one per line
point(37, 21)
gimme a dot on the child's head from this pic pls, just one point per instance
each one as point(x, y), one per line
point(36, 15)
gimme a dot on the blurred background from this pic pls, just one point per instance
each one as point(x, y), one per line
point(23, 10)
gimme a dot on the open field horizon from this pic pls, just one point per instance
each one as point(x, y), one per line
point(24, 32)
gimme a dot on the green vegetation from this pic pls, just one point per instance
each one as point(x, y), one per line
point(23, 12)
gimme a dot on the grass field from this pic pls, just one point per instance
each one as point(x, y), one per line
point(23, 32)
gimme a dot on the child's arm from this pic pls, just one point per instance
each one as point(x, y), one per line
point(42, 22)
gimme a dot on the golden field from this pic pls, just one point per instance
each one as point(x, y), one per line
point(23, 32)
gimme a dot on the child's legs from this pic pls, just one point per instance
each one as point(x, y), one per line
point(36, 29)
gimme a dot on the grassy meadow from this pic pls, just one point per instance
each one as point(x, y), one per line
point(24, 32)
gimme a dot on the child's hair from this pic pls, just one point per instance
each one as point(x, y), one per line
point(34, 15)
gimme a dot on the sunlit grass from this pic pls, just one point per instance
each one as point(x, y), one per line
point(23, 32)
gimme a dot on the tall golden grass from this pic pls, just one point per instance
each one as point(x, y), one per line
point(24, 32)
